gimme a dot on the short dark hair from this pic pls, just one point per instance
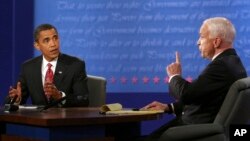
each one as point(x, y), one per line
point(42, 27)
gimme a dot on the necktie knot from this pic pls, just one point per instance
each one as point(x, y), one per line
point(49, 65)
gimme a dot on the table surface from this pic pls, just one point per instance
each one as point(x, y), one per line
point(70, 117)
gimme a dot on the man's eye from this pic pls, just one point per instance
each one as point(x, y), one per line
point(46, 40)
point(55, 37)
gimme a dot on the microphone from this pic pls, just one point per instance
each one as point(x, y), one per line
point(53, 103)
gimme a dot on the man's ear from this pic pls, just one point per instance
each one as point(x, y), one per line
point(36, 45)
point(217, 42)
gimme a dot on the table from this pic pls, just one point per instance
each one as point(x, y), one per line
point(70, 124)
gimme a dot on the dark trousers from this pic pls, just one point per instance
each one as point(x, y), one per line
point(154, 136)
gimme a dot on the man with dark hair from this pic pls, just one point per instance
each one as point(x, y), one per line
point(51, 76)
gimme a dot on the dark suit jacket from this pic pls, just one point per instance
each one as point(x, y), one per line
point(202, 98)
point(69, 77)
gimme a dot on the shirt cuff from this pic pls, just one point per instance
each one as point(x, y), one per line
point(14, 101)
point(170, 108)
point(63, 95)
point(170, 78)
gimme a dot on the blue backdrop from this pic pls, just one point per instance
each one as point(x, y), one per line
point(130, 42)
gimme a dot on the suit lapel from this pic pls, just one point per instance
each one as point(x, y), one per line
point(60, 71)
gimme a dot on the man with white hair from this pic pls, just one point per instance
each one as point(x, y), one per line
point(199, 101)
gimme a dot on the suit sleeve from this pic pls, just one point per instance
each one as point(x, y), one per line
point(24, 88)
point(177, 86)
point(178, 108)
point(24, 91)
point(214, 78)
point(80, 94)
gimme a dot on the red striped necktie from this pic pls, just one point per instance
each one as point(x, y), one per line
point(49, 77)
point(49, 74)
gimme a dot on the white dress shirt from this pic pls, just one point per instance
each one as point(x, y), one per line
point(53, 67)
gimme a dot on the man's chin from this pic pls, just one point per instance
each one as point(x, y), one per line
point(54, 56)
point(203, 56)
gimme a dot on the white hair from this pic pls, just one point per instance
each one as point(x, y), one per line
point(220, 27)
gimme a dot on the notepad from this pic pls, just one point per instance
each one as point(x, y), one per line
point(31, 107)
point(27, 107)
point(117, 108)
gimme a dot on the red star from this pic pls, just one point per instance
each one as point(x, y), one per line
point(145, 79)
point(112, 79)
point(156, 79)
point(134, 80)
point(189, 79)
point(123, 80)
point(166, 79)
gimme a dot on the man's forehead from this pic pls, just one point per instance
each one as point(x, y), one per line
point(203, 28)
point(47, 33)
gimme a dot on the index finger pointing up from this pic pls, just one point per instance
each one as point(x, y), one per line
point(177, 57)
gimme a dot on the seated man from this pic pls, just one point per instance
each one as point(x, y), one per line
point(51, 76)
point(199, 101)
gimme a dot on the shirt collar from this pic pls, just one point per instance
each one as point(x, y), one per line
point(45, 62)
point(216, 56)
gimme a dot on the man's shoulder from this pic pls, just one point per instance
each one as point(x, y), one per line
point(32, 61)
point(227, 53)
point(69, 59)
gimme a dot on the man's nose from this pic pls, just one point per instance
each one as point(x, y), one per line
point(52, 43)
point(198, 43)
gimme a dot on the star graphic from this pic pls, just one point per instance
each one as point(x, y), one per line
point(189, 79)
point(123, 80)
point(156, 79)
point(113, 80)
point(166, 79)
point(145, 80)
point(134, 79)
